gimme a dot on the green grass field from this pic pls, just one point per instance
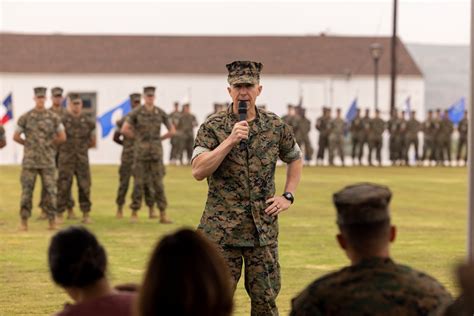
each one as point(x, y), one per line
point(429, 208)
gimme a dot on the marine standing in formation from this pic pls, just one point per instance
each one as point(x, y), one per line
point(336, 128)
point(144, 125)
point(463, 128)
point(74, 158)
point(175, 142)
point(413, 128)
point(43, 131)
point(241, 212)
point(185, 133)
point(126, 159)
point(303, 136)
point(377, 127)
point(356, 129)
point(322, 125)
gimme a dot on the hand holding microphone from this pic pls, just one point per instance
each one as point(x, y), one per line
point(240, 132)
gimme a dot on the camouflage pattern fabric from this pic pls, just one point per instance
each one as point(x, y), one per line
point(60, 111)
point(377, 128)
point(74, 160)
point(126, 165)
point(463, 127)
point(402, 135)
point(376, 286)
point(336, 129)
point(365, 135)
point(395, 141)
point(244, 72)
point(148, 165)
point(2, 133)
point(446, 132)
point(413, 127)
point(322, 125)
point(234, 212)
point(262, 275)
point(428, 129)
point(48, 181)
point(185, 129)
point(356, 136)
point(303, 138)
point(437, 140)
point(292, 121)
point(175, 140)
point(40, 128)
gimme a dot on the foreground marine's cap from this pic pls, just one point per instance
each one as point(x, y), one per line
point(40, 91)
point(149, 90)
point(57, 91)
point(244, 72)
point(74, 97)
point(362, 203)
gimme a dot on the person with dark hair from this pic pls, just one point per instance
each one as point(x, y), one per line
point(78, 264)
point(185, 276)
point(373, 284)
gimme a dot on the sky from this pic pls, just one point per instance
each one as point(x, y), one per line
point(420, 21)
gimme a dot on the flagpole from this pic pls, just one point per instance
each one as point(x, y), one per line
point(470, 223)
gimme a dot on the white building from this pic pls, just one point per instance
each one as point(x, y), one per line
point(323, 70)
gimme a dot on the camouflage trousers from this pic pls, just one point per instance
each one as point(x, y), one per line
point(444, 149)
point(82, 173)
point(411, 141)
point(149, 183)
point(395, 147)
point(355, 148)
point(70, 203)
point(48, 180)
point(175, 147)
point(125, 173)
point(323, 144)
point(262, 275)
point(336, 146)
point(186, 144)
point(462, 144)
point(363, 141)
point(375, 144)
point(305, 145)
point(428, 150)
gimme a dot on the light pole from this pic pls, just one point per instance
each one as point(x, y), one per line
point(376, 51)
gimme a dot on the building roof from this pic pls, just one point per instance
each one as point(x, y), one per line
point(281, 55)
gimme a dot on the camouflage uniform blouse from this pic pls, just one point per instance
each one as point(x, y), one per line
point(40, 129)
point(234, 212)
point(147, 130)
point(374, 287)
point(79, 132)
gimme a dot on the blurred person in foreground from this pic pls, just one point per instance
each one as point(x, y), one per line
point(464, 304)
point(373, 284)
point(185, 276)
point(78, 264)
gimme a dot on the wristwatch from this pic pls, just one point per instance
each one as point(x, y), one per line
point(289, 197)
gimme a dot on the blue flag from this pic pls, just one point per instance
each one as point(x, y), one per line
point(105, 119)
point(351, 113)
point(456, 111)
point(8, 104)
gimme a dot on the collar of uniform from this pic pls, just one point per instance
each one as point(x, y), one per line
point(373, 262)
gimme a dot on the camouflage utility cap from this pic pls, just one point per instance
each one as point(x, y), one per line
point(149, 90)
point(244, 72)
point(74, 97)
point(135, 97)
point(40, 91)
point(362, 203)
point(57, 91)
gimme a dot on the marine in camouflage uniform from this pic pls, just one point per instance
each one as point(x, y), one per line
point(437, 138)
point(394, 140)
point(428, 129)
point(446, 133)
point(365, 134)
point(402, 136)
point(356, 129)
point(377, 128)
point(463, 128)
point(74, 158)
point(322, 125)
point(175, 141)
point(144, 125)
point(374, 284)
point(241, 211)
point(185, 131)
point(336, 128)
point(3, 140)
point(57, 108)
point(303, 136)
point(292, 119)
point(413, 127)
point(126, 159)
point(43, 130)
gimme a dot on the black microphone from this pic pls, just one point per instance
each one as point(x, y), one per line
point(243, 117)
